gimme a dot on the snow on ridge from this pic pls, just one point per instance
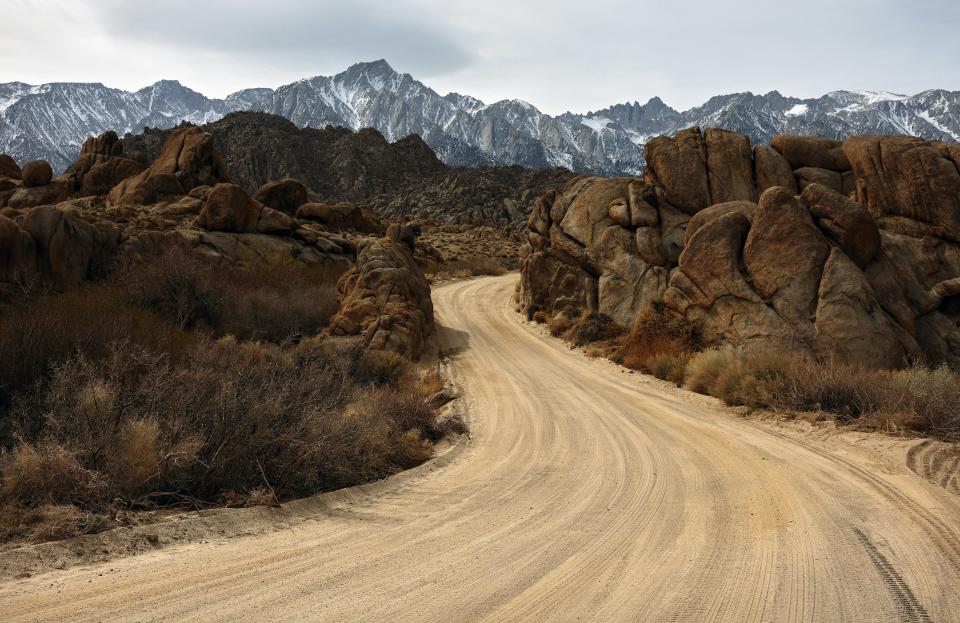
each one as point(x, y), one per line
point(797, 110)
point(596, 123)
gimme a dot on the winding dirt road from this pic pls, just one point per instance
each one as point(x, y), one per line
point(584, 494)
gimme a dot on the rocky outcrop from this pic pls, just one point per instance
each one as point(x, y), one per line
point(341, 216)
point(18, 255)
point(285, 195)
point(9, 168)
point(402, 180)
point(227, 208)
point(69, 249)
point(385, 299)
point(842, 250)
point(100, 166)
point(36, 173)
point(187, 160)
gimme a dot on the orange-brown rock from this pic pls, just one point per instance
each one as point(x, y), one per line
point(36, 173)
point(285, 195)
point(899, 177)
point(863, 265)
point(187, 160)
point(811, 151)
point(729, 166)
point(678, 167)
point(772, 170)
point(100, 166)
point(848, 223)
point(385, 299)
point(341, 216)
point(9, 167)
point(69, 249)
point(227, 208)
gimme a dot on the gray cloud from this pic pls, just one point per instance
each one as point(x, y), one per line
point(557, 54)
point(292, 34)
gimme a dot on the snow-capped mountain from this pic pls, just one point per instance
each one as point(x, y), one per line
point(51, 121)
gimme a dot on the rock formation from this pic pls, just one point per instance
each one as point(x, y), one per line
point(401, 180)
point(101, 165)
point(186, 160)
point(384, 298)
point(844, 249)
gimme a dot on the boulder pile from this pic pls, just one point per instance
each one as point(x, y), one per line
point(385, 298)
point(848, 250)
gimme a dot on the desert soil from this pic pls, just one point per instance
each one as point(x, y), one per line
point(583, 493)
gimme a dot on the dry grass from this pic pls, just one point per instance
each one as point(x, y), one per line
point(271, 300)
point(176, 385)
point(471, 266)
point(583, 328)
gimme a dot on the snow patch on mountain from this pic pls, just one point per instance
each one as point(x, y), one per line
point(51, 121)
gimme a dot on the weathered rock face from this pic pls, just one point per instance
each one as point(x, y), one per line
point(227, 208)
point(285, 195)
point(68, 248)
point(187, 160)
point(100, 166)
point(863, 264)
point(9, 167)
point(385, 299)
point(341, 216)
point(18, 255)
point(36, 173)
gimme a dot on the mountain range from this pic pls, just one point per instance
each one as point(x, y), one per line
point(51, 121)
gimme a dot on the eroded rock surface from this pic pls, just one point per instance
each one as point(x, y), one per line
point(837, 249)
point(385, 299)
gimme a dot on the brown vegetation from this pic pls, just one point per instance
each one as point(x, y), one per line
point(471, 266)
point(153, 389)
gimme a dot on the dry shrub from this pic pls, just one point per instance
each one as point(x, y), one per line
point(470, 266)
point(562, 322)
point(37, 335)
point(269, 300)
point(923, 400)
point(540, 317)
point(658, 340)
point(707, 368)
point(46, 473)
point(669, 366)
point(378, 367)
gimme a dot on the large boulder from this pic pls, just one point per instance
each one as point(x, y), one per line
point(227, 208)
point(851, 324)
point(285, 195)
point(679, 168)
point(907, 183)
point(729, 166)
point(186, 160)
point(69, 249)
point(825, 177)
point(772, 169)
point(784, 256)
point(9, 167)
point(811, 151)
point(36, 173)
point(385, 299)
point(341, 216)
point(101, 165)
point(848, 223)
point(863, 265)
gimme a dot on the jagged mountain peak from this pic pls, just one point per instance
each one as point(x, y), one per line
point(51, 121)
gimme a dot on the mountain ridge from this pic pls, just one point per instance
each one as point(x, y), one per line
point(51, 121)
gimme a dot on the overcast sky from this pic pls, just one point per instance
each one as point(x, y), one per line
point(556, 54)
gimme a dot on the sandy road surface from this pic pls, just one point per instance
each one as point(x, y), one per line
point(584, 494)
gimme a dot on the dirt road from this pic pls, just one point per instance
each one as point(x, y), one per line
point(583, 494)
